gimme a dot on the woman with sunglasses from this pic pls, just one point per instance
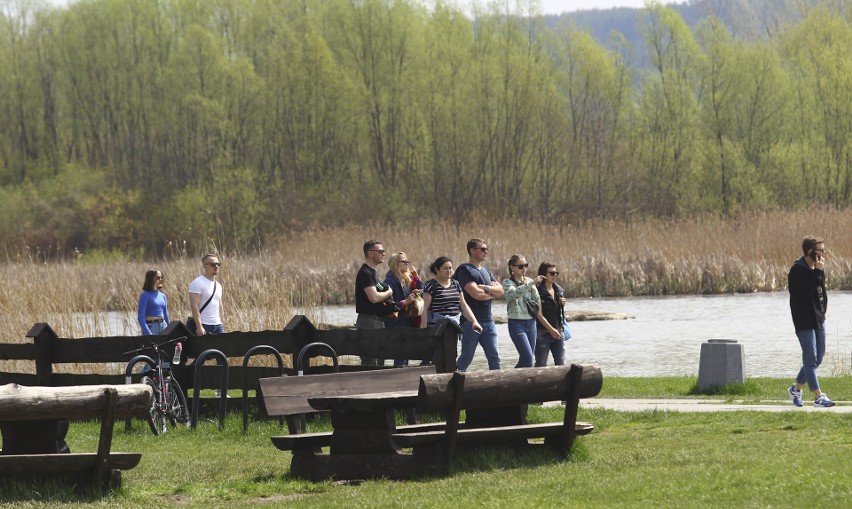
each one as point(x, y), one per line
point(550, 334)
point(402, 278)
point(153, 310)
point(518, 289)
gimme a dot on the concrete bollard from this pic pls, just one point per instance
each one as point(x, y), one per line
point(722, 361)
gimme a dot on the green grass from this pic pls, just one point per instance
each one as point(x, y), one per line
point(654, 458)
point(753, 390)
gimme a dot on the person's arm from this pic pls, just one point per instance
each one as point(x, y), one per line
point(194, 305)
point(143, 306)
point(165, 308)
point(427, 301)
point(477, 291)
point(804, 281)
point(375, 296)
point(554, 333)
point(468, 313)
point(511, 291)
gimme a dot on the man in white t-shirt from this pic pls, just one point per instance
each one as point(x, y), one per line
point(205, 298)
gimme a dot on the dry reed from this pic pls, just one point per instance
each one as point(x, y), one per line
point(750, 253)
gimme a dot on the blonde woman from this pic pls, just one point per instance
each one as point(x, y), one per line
point(402, 278)
point(517, 289)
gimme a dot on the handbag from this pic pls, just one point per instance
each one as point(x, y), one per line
point(532, 307)
point(566, 330)
point(414, 308)
point(190, 322)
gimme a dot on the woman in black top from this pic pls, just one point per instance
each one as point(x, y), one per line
point(549, 337)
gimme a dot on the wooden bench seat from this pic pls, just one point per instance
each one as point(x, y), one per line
point(503, 434)
point(31, 421)
point(287, 396)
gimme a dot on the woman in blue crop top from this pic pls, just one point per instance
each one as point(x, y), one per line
point(153, 306)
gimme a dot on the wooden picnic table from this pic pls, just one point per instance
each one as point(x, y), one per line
point(362, 444)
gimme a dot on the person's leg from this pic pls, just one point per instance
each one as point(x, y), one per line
point(468, 346)
point(488, 340)
point(542, 347)
point(532, 337)
point(558, 349)
point(370, 322)
point(808, 342)
point(518, 333)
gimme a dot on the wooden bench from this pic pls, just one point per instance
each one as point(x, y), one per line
point(33, 421)
point(366, 443)
point(287, 396)
point(495, 404)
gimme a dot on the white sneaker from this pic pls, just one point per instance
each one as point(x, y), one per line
point(823, 401)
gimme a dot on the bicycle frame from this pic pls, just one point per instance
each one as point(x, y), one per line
point(166, 388)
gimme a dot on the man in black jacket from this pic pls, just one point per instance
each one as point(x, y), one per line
point(808, 304)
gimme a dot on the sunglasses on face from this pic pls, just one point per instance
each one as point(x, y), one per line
point(214, 264)
point(380, 251)
point(522, 265)
point(553, 273)
point(405, 262)
point(483, 249)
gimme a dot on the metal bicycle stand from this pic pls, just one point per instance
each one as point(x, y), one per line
point(258, 350)
point(223, 390)
point(128, 377)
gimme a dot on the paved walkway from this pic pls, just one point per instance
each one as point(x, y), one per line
point(704, 405)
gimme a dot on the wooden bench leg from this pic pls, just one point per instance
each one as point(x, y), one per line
point(453, 416)
point(102, 469)
point(565, 440)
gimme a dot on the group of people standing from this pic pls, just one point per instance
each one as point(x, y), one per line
point(535, 306)
point(205, 301)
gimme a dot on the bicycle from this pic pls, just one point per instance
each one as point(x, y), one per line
point(169, 404)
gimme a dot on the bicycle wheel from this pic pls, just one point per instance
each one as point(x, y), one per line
point(156, 419)
point(178, 409)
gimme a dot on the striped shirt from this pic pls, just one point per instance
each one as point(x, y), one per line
point(445, 301)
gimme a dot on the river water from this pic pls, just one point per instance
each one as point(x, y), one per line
point(663, 335)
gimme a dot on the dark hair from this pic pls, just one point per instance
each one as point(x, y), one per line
point(809, 243)
point(513, 260)
point(542, 269)
point(370, 244)
point(438, 263)
point(149, 279)
point(473, 244)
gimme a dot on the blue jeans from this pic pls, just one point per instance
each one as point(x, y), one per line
point(488, 340)
point(523, 335)
point(157, 328)
point(813, 350)
point(545, 345)
point(213, 329)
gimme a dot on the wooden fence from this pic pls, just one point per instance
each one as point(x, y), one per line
point(46, 350)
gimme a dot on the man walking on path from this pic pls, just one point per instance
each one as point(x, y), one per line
point(808, 304)
point(205, 298)
point(480, 288)
point(370, 294)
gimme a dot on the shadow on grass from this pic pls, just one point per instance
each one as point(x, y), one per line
point(747, 388)
point(62, 490)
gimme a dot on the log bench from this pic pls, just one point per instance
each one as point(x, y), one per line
point(33, 421)
point(366, 443)
point(287, 396)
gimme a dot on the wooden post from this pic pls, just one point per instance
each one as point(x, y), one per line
point(302, 332)
point(453, 416)
point(43, 338)
point(446, 339)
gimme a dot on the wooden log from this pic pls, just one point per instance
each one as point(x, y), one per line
point(507, 387)
point(19, 403)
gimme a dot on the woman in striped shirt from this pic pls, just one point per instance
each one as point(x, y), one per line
point(442, 297)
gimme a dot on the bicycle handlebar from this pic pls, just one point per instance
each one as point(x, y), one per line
point(154, 346)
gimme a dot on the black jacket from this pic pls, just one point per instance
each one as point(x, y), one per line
point(551, 309)
point(808, 298)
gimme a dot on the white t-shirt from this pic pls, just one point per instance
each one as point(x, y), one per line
point(203, 286)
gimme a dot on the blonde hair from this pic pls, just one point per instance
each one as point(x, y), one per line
point(393, 265)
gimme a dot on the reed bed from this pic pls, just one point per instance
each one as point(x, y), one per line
point(305, 269)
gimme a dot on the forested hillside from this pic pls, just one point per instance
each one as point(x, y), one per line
point(129, 124)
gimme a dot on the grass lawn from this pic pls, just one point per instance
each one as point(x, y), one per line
point(649, 459)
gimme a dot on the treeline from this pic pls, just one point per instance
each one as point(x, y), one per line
point(129, 124)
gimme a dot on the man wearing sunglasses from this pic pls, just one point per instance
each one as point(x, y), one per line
point(480, 288)
point(205, 298)
point(370, 294)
